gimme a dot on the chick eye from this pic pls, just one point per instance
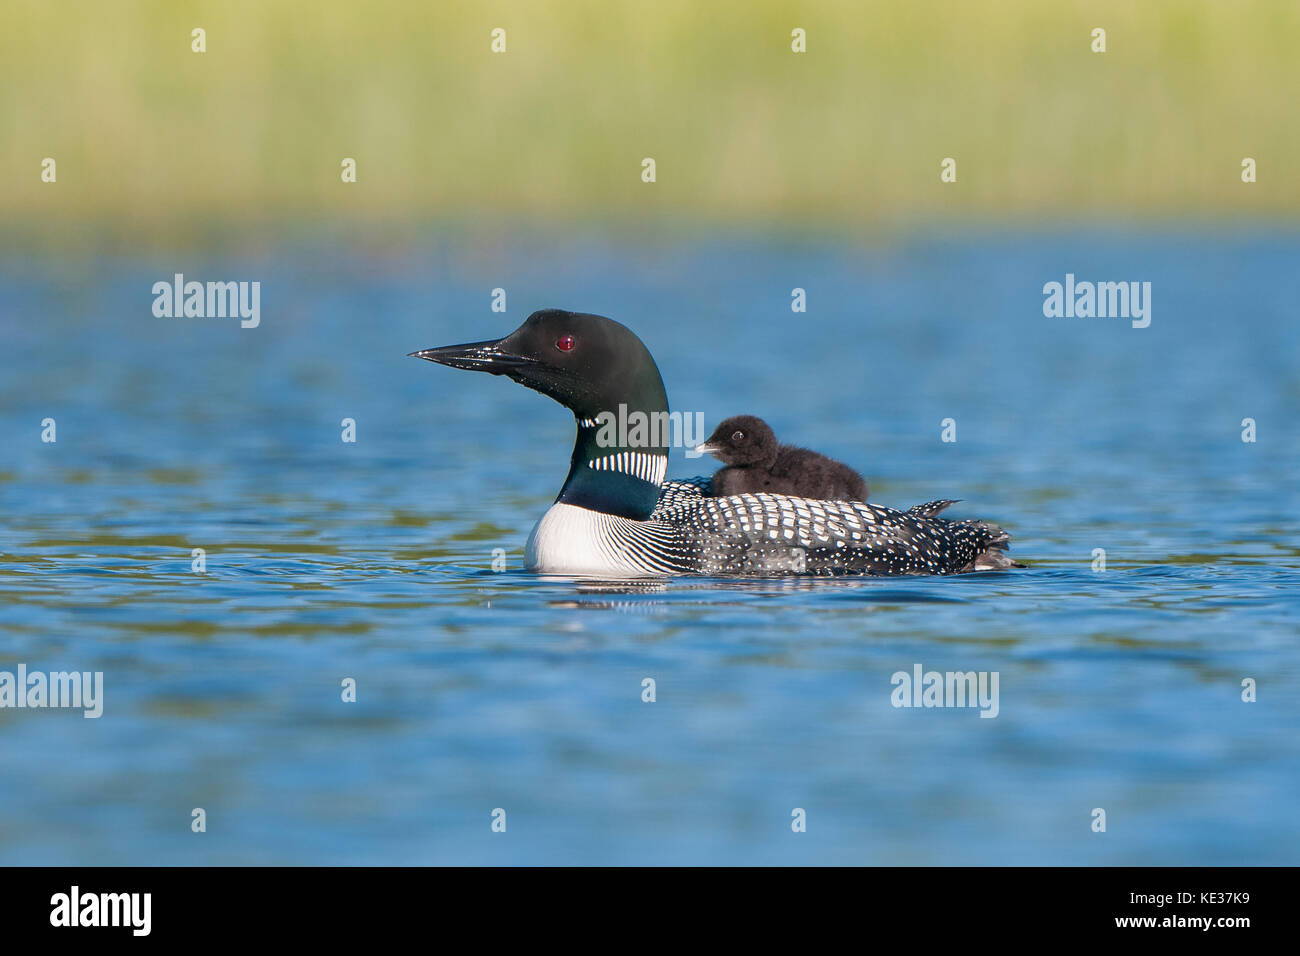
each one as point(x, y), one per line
point(565, 343)
point(737, 436)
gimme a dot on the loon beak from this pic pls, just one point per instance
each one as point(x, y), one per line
point(476, 357)
point(703, 449)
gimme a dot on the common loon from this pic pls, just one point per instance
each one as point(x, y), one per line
point(616, 516)
point(756, 462)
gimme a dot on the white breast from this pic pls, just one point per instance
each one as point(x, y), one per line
point(573, 540)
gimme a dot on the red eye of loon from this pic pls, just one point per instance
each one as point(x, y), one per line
point(564, 343)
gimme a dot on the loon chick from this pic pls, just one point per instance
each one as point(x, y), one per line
point(616, 516)
point(756, 462)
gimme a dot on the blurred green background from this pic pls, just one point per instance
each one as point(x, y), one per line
point(162, 144)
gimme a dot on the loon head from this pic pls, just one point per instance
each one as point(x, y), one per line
point(742, 440)
point(604, 374)
point(587, 363)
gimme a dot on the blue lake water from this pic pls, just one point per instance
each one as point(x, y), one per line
point(476, 690)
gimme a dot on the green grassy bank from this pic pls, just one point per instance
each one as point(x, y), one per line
point(146, 132)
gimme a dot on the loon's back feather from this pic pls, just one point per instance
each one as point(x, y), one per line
point(780, 534)
point(931, 508)
point(675, 491)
